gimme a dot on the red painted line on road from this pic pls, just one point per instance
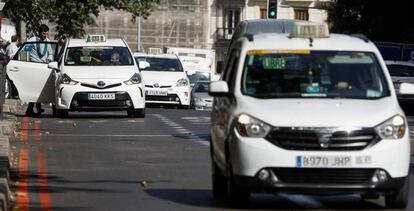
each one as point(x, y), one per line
point(25, 128)
point(22, 187)
point(45, 198)
point(37, 130)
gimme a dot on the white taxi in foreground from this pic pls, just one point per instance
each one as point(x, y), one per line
point(166, 82)
point(90, 74)
point(308, 112)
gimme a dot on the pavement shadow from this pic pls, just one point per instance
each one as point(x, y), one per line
point(204, 198)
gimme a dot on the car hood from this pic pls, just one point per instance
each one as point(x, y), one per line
point(202, 95)
point(99, 72)
point(162, 77)
point(320, 112)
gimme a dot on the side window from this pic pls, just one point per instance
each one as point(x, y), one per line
point(231, 69)
point(39, 52)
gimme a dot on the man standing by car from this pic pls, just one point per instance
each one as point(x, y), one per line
point(13, 47)
point(43, 54)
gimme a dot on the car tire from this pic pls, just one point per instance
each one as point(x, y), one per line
point(185, 107)
point(399, 199)
point(237, 195)
point(136, 113)
point(62, 113)
point(219, 182)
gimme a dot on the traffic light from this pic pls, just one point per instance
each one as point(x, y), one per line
point(272, 9)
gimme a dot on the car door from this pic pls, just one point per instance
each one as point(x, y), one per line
point(34, 81)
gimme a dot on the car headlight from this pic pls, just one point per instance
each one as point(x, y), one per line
point(393, 128)
point(135, 79)
point(251, 127)
point(67, 80)
point(182, 82)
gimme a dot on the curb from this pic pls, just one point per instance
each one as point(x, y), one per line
point(11, 108)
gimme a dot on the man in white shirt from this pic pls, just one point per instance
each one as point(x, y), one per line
point(41, 52)
point(13, 47)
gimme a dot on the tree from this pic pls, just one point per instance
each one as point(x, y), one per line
point(70, 16)
point(379, 20)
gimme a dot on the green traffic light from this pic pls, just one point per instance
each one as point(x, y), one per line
point(272, 14)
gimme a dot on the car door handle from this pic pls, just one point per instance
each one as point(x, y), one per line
point(14, 69)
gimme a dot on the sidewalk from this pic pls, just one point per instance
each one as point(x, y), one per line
point(11, 108)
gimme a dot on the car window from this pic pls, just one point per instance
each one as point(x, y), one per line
point(39, 52)
point(201, 87)
point(401, 70)
point(161, 64)
point(98, 56)
point(313, 74)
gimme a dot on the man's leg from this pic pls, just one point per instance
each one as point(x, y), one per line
point(39, 108)
point(29, 110)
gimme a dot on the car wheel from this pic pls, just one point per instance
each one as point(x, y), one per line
point(237, 195)
point(62, 113)
point(184, 107)
point(399, 199)
point(218, 182)
point(136, 113)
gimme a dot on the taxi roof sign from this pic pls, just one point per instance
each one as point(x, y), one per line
point(95, 38)
point(309, 30)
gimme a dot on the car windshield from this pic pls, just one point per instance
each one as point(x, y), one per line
point(98, 56)
point(160, 64)
point(313, 74)
point(401, 70)
point(199, 76)
point(201, 87)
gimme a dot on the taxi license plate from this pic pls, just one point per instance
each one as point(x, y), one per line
point(101, 96)
point(323, 161)
point(156, 92)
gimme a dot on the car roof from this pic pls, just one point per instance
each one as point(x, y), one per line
point(108, 42)
point(403, 63)
point(167, 56)
point(335, 42)
point(259, 26)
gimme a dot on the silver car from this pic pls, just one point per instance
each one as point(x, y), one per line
point(401, 72)
point(200, 99)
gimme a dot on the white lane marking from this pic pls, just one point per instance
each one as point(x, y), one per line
point(98, 121)
point(106, 135)
point(188, 135)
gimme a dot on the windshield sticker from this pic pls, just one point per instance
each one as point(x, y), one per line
point(373, 93)
point(273, 63)
point(251, 60)
point(310, 87)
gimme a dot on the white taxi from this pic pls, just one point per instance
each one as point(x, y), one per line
point(308, 112)
point(166, 82)
point(91, 74)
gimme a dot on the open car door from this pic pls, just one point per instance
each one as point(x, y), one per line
point(29, 71)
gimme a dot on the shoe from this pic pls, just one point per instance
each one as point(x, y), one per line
point(30, 113)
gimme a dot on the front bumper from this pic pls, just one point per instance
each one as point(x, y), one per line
point(175, 96)
point(251, 155)
point(75, 98)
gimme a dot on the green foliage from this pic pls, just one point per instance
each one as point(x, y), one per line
point(379, 20)
point(70, 16)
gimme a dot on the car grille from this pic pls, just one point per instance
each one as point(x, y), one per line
point(328, 176)
point(168, 98)
point(151, 86)
point(322, 138)
point(99, 87)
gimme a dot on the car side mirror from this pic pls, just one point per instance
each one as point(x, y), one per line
point(53, 66)
point(406, 89)
point(143, 64)
point(218, 89)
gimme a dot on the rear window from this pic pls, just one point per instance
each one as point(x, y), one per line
point(401, 70)
point(160, 64)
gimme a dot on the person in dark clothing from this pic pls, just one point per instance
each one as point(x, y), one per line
point(46, 57)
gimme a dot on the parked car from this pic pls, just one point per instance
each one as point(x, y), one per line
point(200, 99)
point(90, 74)
point(401, 72)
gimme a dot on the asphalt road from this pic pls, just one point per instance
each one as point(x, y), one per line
point(107, 161)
